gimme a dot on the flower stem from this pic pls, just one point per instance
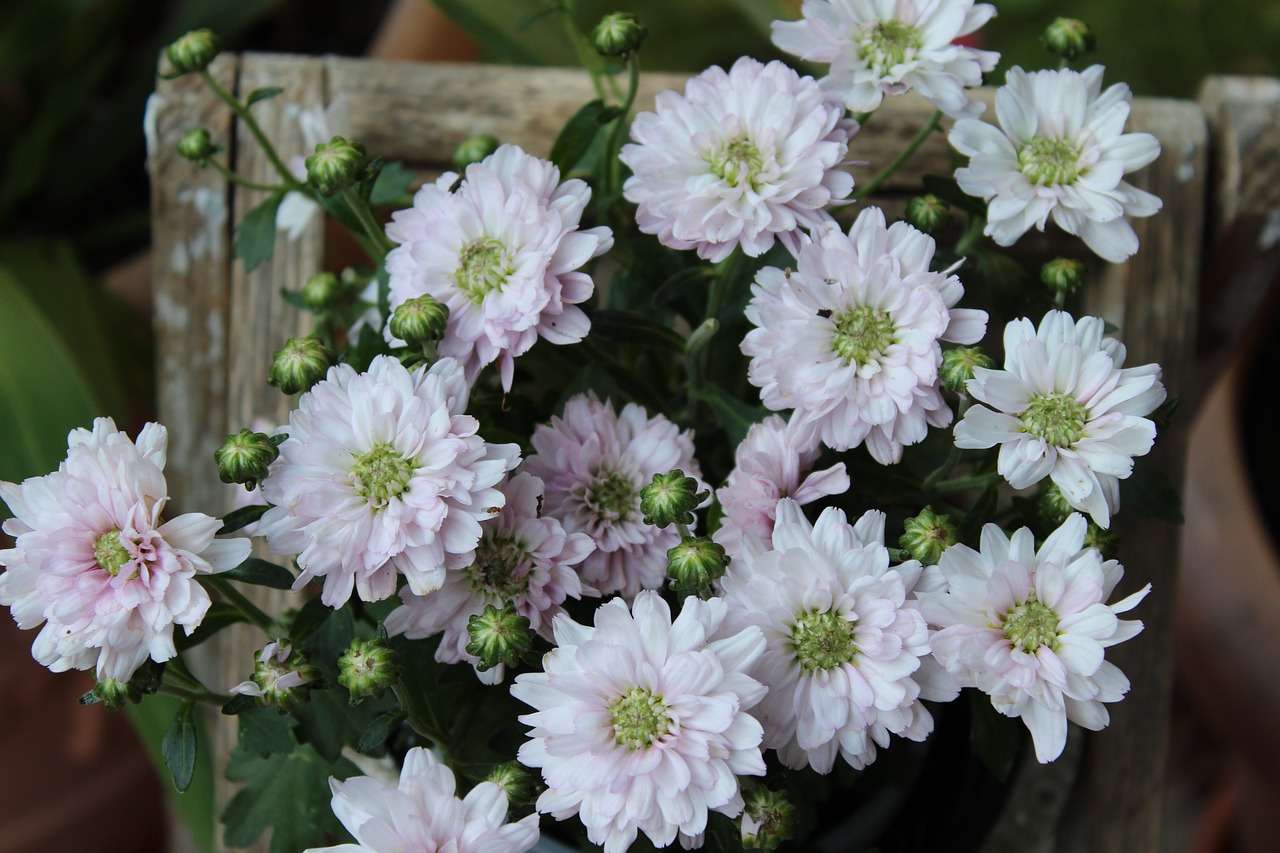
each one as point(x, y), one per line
point(615, 133)
point(370, 225)
point(961, 484)
point(972, 235)
point(238, 600)
point(952, 458)
point(247, 184)
point(586, 53)
point(250, 122)
point(421, 718)
point(189, 695)
point(887, 172)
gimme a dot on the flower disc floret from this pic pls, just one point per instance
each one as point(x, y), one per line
point(1047, 161)
point(1031, 624)
point(1055, 417)
point(381, 473)
point(639, 719)
point(823, 641)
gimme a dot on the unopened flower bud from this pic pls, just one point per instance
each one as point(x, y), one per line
point(473, 149)
point(335, 165)
point(197, 146)
point(245, 457)
point(1069, 38)
point(1063, 275)
point(194, 51)
point(958, 366)
point(419, 320)
point(768, 818)
point(499, 637)
point(282, 678)
point(113, 694)
point(927, 535)
point(670, 499)
point(928, 213)
point(367, 668)
point(695, 564)
point(618, 34)
point(514, 780)
point(323, 291)
point(1052, 505)
point(300, 363)
point(1105, 541)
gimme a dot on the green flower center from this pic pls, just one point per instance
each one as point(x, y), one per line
point(1057, 418)
point(823, 641)
point(381, 474)
point(494, 570)
point(1031, 624)
point(888, 43)
point(738, 163)
point(110, 553)
point(612, 497)
point(1047, 161)
point(863, 334)
point(639, 719)
point(483, 267)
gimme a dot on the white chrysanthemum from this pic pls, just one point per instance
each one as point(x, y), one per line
point(383, 473)
point(642, 723)
point(843, 642)
point(425, 814)
point(774, 461)
point(850, 340)
point(1065, 408)
point(523, 557)
point(502, 251)
point(1029, 628)
point(1060, 151)
point(594, 463)
point(96, 561)
point(742, 158)
point(887, 47)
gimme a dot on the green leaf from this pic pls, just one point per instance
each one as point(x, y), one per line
point(578, 134)
point(681, 283)
point(256, 233)
point(219, 616)
point(265, 731)
point(239, 704)
point(151, 720)
point(259, 572)
point(995, 738)
point(373, 739)
point(310, 617)
point(242, 517)
point(1149, 492)
point(490, 24)
point(286, 792)
point(734, 415)
point(631, 327)
point(392, 184)
point(179, 746)
point(262, 94)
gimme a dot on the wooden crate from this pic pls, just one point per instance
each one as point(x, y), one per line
point(217, 326)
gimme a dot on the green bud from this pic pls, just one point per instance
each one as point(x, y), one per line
point(473, 149)
point(1063, 276)
point(113, 694)
point(928, 213)
point(323, 291)
point(245, 457)
point(419, 320)
point(695, 564)
point(927, 535)
point(194, 51)
point(513, 779)
point(670, 499)
point(367, 668)
point(335, 165)
point(197, 146)
point(499, 637)
point(1052, 504)
point(618, 34)
point(1105, 541)
point(958, 366)
point(283, 677)
point(768, 817)
point(301, 363)
point(1069, 38)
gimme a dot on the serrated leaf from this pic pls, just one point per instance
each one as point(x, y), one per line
point(262, 94)
point(179, 746)
point(219, 615)
point(994, 737)
point(286, 792)
point(265, 731)
point(579, 132)
point(256, 233)
point(310, 617)
point(632, 327)
point(373, 739)
point(392, 184)
point(259, 572)
point(240, 518)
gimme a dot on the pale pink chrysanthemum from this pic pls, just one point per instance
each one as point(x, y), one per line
point(850, 340)
point(383, 473)
point(744, 157)
point(1029, 628)
point(423, 814)
point(96, 561)
point(642, 723)
point(1063, 407)
point(774, 461)
point(1060, 151)
point(594, 462)
point(888, 47)
point(502, 251)
point(523, 557)
point(843, 642)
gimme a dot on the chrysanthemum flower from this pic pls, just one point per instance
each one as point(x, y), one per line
point(774, 461)
point(887, 47)
point(383, 473)
point(642, 723)
point(522, 557)
point(1029, 628)
point(594, 463)
point(744, 157)
point(1064, 407)
point(424, 813)
point(842, 641)
point(96, 561)
point(502, 251)
point(1060, 151)
point(850, 340)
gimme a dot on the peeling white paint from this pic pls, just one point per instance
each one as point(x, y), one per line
point(1186, 169)
point(206, 242)
point(150, 126)
point(1269, 236)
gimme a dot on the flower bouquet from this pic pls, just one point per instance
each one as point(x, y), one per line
point(660, 490)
